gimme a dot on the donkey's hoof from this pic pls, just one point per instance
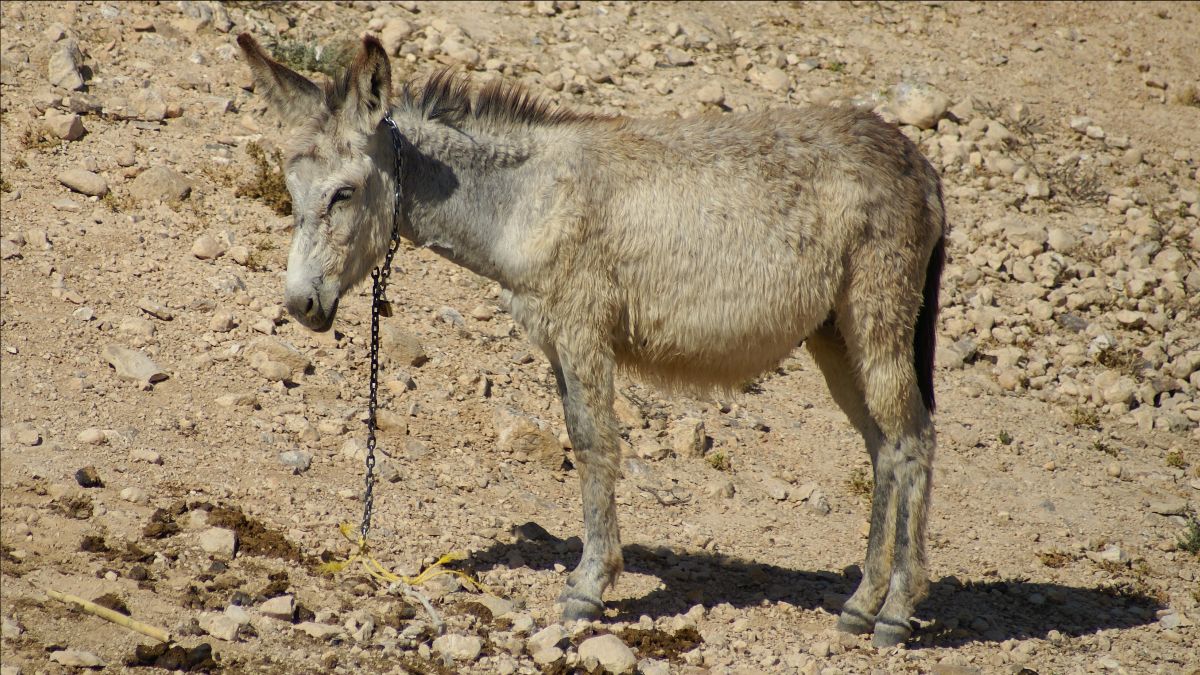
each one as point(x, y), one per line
point(577, 608)
point(852, 621)
point(890, 634)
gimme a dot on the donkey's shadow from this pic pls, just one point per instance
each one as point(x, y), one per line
point(954, 614)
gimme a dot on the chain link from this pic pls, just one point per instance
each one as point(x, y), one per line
point(380, 307)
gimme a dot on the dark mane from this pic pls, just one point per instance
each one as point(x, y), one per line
point(447, 96)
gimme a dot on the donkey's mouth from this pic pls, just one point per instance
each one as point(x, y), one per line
point(314, 316)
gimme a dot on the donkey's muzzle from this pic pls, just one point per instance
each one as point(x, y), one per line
point(310, 311)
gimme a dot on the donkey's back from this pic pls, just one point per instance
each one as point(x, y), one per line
point(726, 240)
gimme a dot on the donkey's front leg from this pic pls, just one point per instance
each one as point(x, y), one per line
point(585, 382)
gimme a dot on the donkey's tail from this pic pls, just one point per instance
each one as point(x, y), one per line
point(925, 338)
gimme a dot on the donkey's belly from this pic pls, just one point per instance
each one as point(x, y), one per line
point(721, 324)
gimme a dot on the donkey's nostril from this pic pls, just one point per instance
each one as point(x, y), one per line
point(309, 306)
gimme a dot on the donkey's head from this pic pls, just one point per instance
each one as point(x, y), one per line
point(338, 170)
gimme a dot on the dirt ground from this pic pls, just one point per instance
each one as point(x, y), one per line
point(1063, 534)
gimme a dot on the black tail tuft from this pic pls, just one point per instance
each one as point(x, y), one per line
point(925, 338)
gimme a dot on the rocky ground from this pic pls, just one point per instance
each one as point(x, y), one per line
point(175, 447)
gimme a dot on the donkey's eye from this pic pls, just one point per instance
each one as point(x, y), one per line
point(341, 196)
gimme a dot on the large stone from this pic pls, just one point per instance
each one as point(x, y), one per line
point(521, 436)
point(276, 360)
point(63, 67)
point(613, 655)
point(160, 183)
point(548, 637)
point(394, 34)
point(458, 647)
point(282, 607)
point(220, 626)
point(320, 631)
point(920, 105)
point(133, 365)
point(148, 105)
point(207, 247)
point(65, 126)
point(77, 658)
point(84, 182)
point(219, 542)
point(688, 437)
point(401, 347)
point(775, 80)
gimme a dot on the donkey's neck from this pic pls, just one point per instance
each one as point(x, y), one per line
point(468, 191)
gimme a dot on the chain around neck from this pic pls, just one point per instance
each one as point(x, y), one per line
point(380, 307)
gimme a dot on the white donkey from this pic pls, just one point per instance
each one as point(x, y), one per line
point(696, 253)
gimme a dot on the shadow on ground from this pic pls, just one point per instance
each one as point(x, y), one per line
point(954, 614)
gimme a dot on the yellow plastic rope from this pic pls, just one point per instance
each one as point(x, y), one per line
point(377, 571)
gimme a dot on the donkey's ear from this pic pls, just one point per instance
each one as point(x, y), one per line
point(291, 95)
point(369, 84)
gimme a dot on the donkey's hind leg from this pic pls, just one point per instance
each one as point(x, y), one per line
point(903, 464)
point(829, 350)
point(585, 382)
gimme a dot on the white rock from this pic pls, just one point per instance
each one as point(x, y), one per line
point(92, 436)
point(545, 638)
point(77, 658)
point(654, 667)
point(776, 489)
point(62, 69)
point(545, 657)
point(235, 400)
point(219, 542)
point(394, 34)
point(220, 626)
point(688, 437)
point(206, 247)
point(282, 607)
point(458, 647)
point(68, 127)
point(134, 495)
point(160, 183)
point(221, 321)
point(145, 455)
point(920, 105)
point(711, 94)
point(238, 614)
point(84, 182)
point(320, 631)
point(133, 365)
point(614, 655)
point(1061, 240)
point(521, 436)
point(775, 80)
point(155, 309)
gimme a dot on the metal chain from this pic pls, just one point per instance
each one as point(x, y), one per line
point(380, 307)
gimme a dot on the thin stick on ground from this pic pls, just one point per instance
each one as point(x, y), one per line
point(410, 592)
point(110, 615)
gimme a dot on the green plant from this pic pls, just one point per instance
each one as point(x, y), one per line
point(1084, 418)
point(299, 55)
point(861, 482)
point(1107, 449)
point(719, 461)
point(1190, 539)
point(5, 186)
point(36, 139)
point(1005, 438)
point(836, 67)
point(1077, 185)
point(267, 184)
point(1175, 459)
point(1056, 559)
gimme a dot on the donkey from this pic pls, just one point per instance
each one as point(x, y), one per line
point(694, 253)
